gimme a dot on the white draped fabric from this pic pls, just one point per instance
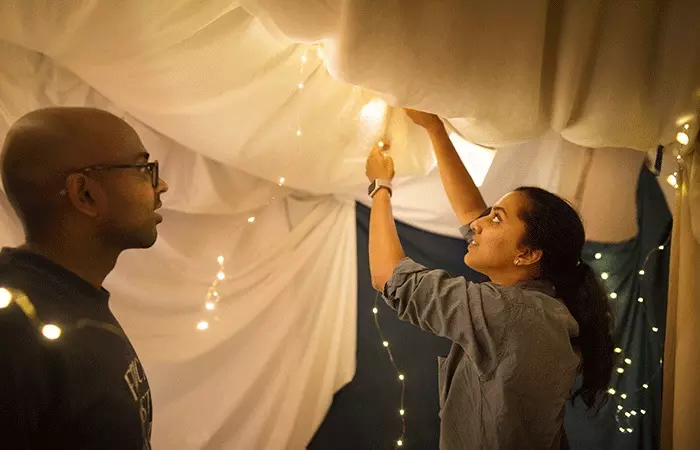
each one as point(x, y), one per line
point(213, 88)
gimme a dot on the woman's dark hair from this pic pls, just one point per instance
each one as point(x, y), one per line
point(553, 226)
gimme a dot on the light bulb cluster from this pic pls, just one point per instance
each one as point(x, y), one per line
point(399, 374)
point(683, 139)
point(625, 416)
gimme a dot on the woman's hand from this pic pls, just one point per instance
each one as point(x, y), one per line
point(379, 165)
point(426, 120)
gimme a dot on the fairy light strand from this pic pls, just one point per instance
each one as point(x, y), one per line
point(213, 297)
point(400, 376)
point(624, 416)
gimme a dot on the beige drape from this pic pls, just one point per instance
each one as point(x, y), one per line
point(681, 389)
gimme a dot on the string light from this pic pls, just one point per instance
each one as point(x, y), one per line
point(51, 331)
point(400, 375)
point(682, 137)
point(5, 298)
point(673, 180)
point(213, 297)
point(622, 416)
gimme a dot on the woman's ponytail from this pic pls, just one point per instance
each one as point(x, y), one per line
point(553, 226)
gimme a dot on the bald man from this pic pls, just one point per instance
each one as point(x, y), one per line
point(82, 185)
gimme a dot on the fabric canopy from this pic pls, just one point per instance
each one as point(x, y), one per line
point(261, 114)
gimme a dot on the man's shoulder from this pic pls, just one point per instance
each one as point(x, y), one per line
point(17, 333)
point(25, 279)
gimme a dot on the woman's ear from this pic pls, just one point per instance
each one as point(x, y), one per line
point(528, 257)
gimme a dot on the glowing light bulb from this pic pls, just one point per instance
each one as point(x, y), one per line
point(251, 219)
point(598, 256)
point(5, 298)
point(671, 179)
point(375, 310)
point(620, 370)
point(51, 331)
point(627, 414)
point(619, 407)
point(402, 412)
point(210, 306)
point(605, 275)
point(686, 126)
point(203, 325)
point(640, 299)
point(629, 430)
point(661, 247)
point(374, 111)
point(611, 391)
point(298, 132)
point(654, 329)
point(618, 350)
point(643, 411)
point(399, 442)
point(641, 272)
point(401, 377)
point(385, 344)
point(683, 138)
point(628, 361)
point(281, 181)
point(221, 275)
point(634, 413)
point(215, 294)
point(624, 396)
point(622, 430)
point(300, 85)
point(220, 259)
point(645, 386)
point(613, 295)
point(380, 144)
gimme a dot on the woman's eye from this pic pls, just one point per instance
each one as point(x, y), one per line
point(496, 219)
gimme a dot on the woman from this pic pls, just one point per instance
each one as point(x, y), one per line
point(520, 339)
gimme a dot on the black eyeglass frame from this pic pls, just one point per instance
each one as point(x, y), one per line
point(151, 166)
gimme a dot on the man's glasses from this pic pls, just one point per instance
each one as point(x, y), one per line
point(151, 167)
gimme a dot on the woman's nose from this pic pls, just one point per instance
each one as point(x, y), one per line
point(476, 226)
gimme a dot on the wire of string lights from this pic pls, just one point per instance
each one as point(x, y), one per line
point(399, 373)
point(626, 416)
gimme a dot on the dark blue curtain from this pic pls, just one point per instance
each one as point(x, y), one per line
point(636, 321)
point(365, 413)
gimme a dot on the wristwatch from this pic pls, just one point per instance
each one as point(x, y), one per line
point(376, 185)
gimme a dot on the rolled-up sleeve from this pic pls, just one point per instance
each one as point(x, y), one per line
point(474, 315)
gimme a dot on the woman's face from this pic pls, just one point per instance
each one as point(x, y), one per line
point(496, 242)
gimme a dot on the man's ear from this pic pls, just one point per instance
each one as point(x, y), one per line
point(81, 191)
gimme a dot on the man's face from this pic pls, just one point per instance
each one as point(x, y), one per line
point(128, 218)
